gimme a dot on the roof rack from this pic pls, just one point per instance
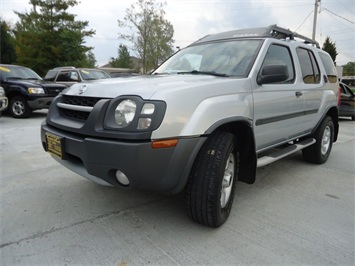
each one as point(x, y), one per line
point(282, 33)
point(65, 67)
point(272, 31)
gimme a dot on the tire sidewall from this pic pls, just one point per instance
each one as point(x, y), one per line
point(327, 122)
point(26, 112)
point(222, 214)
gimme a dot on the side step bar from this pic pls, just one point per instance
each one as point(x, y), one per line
point(281, 153)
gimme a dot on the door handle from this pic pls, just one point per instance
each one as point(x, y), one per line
point(298, 94)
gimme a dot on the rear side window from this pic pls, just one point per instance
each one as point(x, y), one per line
point(63, 76)
point(329, 67)
point(309, 66)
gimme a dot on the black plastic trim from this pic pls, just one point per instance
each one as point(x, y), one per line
point(274, 119)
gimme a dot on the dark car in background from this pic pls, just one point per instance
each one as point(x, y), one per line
point(71, 75)
point(26, 90)
point(347, 102)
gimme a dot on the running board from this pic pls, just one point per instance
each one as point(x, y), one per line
point(279, 154)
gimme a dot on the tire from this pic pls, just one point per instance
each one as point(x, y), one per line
point(210, 189)
point(19, 108)
point(318, 153)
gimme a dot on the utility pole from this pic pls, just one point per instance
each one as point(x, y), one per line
point(315, 18)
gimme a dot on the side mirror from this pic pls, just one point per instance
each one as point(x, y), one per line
point(272, 73)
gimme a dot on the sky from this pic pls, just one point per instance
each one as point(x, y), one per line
point(193, 19)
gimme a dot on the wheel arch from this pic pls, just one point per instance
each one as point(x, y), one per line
point(14, 91)
point(242, 128)
point(333, 113)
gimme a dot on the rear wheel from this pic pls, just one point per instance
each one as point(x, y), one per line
point(211, 186)
point(19, 107)
point(319, 152)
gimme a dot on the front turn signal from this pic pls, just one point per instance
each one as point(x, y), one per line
point(167, 143)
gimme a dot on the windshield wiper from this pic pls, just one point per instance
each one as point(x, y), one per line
point(14, 78)
point(204, 73)
point(161, 73)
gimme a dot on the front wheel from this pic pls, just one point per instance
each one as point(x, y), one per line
point(19, 107)
point(318, 153)
point(210, 190)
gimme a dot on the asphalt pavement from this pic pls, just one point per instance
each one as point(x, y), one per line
point(295, 213)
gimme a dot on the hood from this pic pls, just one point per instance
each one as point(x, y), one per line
point(144, 86)
point(37, 83)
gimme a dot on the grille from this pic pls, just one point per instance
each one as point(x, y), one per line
point(78, 101)
point(53, 90)
point(75, 114)
point(81, 101)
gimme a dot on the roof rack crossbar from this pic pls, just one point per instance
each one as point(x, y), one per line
point(272, 31)
point(281, 33)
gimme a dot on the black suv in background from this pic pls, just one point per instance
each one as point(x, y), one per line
point(71, 75)
point(26, 90)
point(347, 102)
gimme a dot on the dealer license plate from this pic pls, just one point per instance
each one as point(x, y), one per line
point(54, 145)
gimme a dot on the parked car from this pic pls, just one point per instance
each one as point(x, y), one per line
point(26, 91)
point(72, 75)
point(347, 102)
point(3, 100)
point(205, 119)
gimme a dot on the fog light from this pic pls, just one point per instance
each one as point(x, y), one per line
point(122, 178)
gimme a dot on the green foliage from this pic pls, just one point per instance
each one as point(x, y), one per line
point(90, 60)
point(153, 40)
point(349, 69)
point(123, 60)
point(48, 36)
point(330, 48)
point(7, 52)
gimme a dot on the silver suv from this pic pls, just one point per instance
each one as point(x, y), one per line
point(205, 119)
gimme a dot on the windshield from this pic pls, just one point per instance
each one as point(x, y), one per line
point(232, 58)
point(89, 74)
point(18, 72)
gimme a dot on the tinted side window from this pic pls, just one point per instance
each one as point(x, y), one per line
point(329, 67)
point(280, 55)
point(309, 66)
point(63, 76)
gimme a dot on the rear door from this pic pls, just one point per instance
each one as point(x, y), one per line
point(311, 88)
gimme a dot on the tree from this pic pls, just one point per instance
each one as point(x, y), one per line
point(349, 69)
point(48, 36)
point(330, 47)
point(7, 52)
point(90, 60)
point(123, 60)
point(153, 37)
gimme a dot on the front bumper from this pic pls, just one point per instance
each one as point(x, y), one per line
point(40, 102)
point(165, 170)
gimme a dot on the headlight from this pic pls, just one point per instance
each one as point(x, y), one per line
point(35, 91)
point(2, 92)
point(133, 114)
point(125, 112)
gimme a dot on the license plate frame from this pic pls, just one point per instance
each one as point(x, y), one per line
point(55, 145)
